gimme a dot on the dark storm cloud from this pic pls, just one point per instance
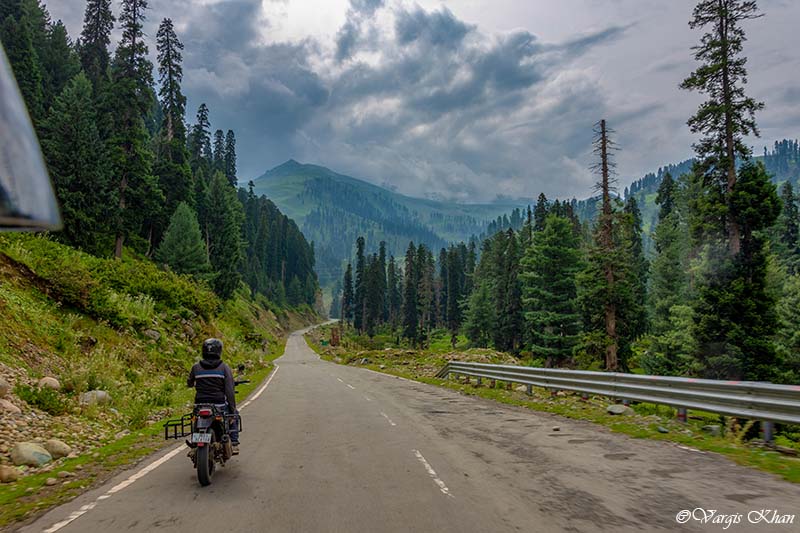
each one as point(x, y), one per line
point(440, 108)
point(437, 28)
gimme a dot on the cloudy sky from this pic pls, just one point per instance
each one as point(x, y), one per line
point(463, 99)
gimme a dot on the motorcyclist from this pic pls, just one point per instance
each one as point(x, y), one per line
point(213, 383)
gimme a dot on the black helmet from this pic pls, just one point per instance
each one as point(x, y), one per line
point(212, 349)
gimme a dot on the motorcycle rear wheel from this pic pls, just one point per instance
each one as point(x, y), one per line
point(205, 463)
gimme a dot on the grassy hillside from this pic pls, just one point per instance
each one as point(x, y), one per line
point(124, 327)
point(333, 210)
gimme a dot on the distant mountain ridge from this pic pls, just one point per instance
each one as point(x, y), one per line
point(333, 209)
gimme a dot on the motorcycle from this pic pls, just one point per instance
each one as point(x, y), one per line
point(207, 432)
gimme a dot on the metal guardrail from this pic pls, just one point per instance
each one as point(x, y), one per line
point(766, 402)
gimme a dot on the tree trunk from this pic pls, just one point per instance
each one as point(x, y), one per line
point(734, 238)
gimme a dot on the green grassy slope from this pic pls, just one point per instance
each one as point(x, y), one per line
point(124, 327)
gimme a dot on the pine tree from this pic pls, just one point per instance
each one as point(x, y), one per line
point(98, 21)
point(347, 295)
point(455, 271)
point(548, 278)
point(426, 297)
point(540, 212)
point(666, 196)
point(219, 151)
point(787, 238)
point(382, 283)
point(170, 69)
point(637, 318)
point(199, 142)
point(172, 165)
point(668, 278)
point(728, 115)
point(78, 163)
point(139, 197)
point(393, 294)
point(442, 285)
point(183, 248)
point(230, 158)
point(17, 36)
point(479, 319)
point(507, 335)
point(224, 217)
point(59, 62)
point(360, 296)
point(410, 310)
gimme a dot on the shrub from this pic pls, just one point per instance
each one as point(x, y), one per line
point(44, 398)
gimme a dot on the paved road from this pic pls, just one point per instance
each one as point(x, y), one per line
point(336, 449)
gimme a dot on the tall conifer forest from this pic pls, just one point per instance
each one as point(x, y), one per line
point(716, 295)
point(132, 176)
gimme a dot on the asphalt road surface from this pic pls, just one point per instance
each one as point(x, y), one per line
point(337, 449)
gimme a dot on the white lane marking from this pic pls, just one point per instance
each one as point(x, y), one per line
point(262, 389)
point(432, 473)
point(340, 380)
point(384, 415)
point(141, 473)
point(351, 386)
point(368, 398)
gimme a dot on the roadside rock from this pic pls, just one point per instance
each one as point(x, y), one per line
point(95, 397)
point(57, 448)
point(50, 383)
point(151, 333)
point(51, 481)
point(64, 474)
point(619, 409)
point(4, 388)
point(714, 430)
point(30, 453)
point(521, 388)
point(9, 408)
point(662, 429)
point(8, 474)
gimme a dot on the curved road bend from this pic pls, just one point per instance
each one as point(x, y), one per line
point(331, 448)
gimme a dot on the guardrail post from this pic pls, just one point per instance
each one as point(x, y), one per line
point(626, 402)
point(585, 397)
point(767, 430)
point(529, 390)
point(682, 414)
point(467, 380)
point(480, 381)
point(493, 384)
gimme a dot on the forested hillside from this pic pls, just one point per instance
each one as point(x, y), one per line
point(129, 173)
point(718, 297)
point(333, 210)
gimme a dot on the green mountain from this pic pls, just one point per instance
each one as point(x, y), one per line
point(333, 210)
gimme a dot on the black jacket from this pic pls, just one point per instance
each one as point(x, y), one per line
point(213, 383)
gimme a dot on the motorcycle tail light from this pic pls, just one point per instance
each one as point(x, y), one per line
point(204, 412)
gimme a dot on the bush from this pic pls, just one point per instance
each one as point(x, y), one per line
point(124, 293)
point(46, 399)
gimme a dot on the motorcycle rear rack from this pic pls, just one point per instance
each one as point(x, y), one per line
point(178, 428)
point(182, 427)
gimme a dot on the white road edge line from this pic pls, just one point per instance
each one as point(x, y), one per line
point(141, 473)
point(384, 415)
point(351, 386)
point(432, 473)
